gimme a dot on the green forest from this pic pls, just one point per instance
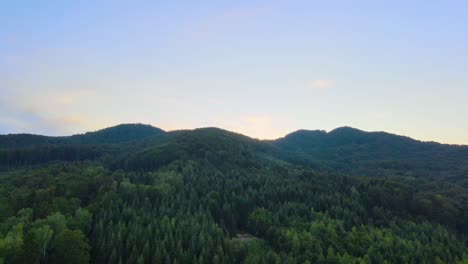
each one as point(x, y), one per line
point(137, 194)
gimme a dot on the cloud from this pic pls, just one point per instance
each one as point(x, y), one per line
point(321, 84)
point(17, 117)
point(34, 121)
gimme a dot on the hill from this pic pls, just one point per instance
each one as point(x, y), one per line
point(137, 194)
point(117, 134)
point(349, 150)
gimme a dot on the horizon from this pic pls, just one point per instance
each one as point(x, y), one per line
point(221, 128)
point(259, 68)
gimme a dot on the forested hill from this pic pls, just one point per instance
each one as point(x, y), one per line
point(375, 153)
point(117, 134)
point(345, 150)
point(137, 194)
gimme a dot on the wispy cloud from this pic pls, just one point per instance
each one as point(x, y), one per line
point(46, 117)
point(321, 84)
point(32, 121)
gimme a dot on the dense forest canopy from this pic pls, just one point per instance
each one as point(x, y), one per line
point(137, 194)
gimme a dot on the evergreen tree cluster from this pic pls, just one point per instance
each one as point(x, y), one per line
point(211, 196)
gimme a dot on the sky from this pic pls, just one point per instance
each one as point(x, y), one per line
point(260, 68)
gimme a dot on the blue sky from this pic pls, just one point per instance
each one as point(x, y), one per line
point(261, 68)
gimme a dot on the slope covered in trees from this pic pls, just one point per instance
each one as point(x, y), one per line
point(213, 196)
point(349, 150)
point(116, 134)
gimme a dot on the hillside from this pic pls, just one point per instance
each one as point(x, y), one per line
point(138, 194)
point(349, 150)
point(117, 134)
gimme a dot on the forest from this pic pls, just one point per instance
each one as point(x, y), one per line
point(134, 193)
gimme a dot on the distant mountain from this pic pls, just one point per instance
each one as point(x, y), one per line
point(117, 134)
point(378, 153)
point(214, 145)
point(343, 150)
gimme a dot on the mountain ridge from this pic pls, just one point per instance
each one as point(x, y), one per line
point(339, 130)
point(114, 134)
point(343, 150)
